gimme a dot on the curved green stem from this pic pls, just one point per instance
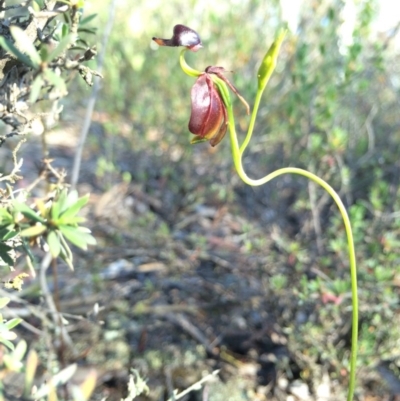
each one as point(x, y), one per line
point(185, 66)
point(237, 154)
point(264, 74)
point(237, 158)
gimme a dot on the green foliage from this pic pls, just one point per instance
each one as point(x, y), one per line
point(6, 326)
point(56, 221)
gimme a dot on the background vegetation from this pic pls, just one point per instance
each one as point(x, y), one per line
point(193, 271)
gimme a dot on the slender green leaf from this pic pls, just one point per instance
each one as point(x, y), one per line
point(55, 210)
point(5, 44)
point(5, 216)
point(32, 362)
point(12, 323)
point(74, 209)
point(71, 198)
point(64, 30)
point(44, 53)
point(55, 80)
point(54, 244)
point(4, 249)
point(9, 235)
point(77, 236)
point(92, 31)
point(61, 47)
point(60, 378)
point(20, 350)
point(28, 212)
point(40, 4)
point(62, 199)
point(33, 231)
point(4, 301)
point(7, 343)
point(36, 88)
point(72, 221)
point(87, 19)
point(25, 44)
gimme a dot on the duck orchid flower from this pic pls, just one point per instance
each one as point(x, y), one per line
point(209, 95)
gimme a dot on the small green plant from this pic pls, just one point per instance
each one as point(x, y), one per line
point(212, 116)
point(54, 221)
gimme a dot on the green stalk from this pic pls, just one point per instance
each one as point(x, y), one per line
point(264, 73)
point(237, 154)
point(237, 159)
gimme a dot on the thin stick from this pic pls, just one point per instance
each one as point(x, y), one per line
point(195, 386)
point(92, 100)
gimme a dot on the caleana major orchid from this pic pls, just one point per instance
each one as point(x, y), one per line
point(212, 116)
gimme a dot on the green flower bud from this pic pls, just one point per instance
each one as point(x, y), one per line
point(269, 62)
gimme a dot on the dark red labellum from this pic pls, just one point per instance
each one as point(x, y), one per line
point(208, 119)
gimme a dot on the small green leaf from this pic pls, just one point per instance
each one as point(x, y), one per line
point(74, 209)
point(66, 258)
point(4, 249)
point(87, 19)
point(4, 301)
point(7, 343)
point(28, 212)
point(44, 53)
point(5, 44)
point(32, 362)
point(71, 198)
point(64, 30)
point(73, 221)
point(25, 44)
point(33, 231)
point(5, 216)
point(36, 88)
point(55, 210)
point(54, 244)
point(77, 236)
point(61, 47)
point(9, 235)
point(91, 31)
point(62, 199)
point(40, 4)
point(12, 323)
point(20, 350)
point(55, 80)
point(59, 378)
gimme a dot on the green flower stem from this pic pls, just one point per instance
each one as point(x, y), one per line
point(264, 73)
point(185, 67)
point(237, 154)
point(237, 159)
point(252, 121)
